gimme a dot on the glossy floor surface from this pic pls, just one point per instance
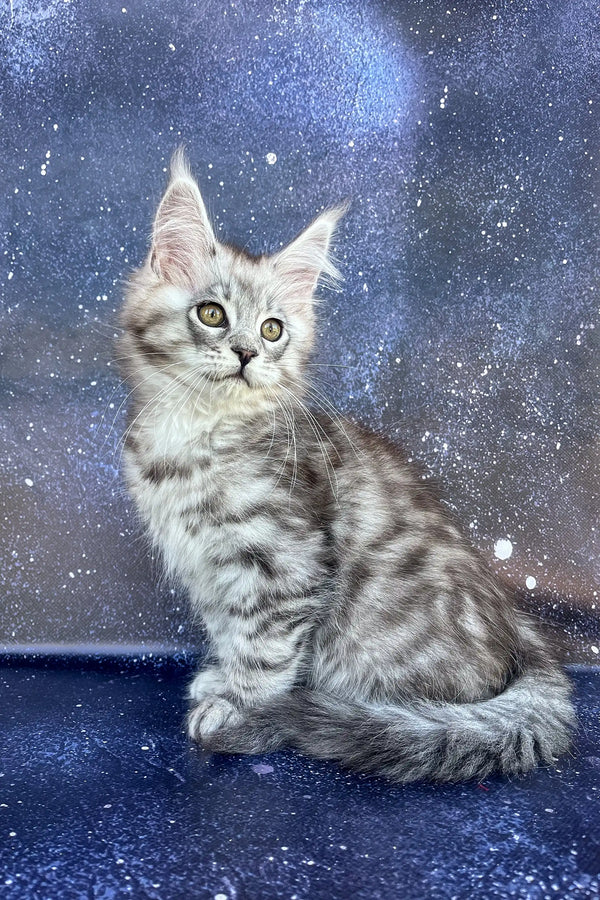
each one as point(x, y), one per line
point(101, 796)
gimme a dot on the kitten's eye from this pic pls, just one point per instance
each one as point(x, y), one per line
point(211, 314)
point(271, 329)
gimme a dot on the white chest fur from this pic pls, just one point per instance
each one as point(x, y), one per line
point(193, 483)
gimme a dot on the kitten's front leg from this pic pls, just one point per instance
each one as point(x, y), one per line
point(259, 659)
point(206, 683)
point(211, 710)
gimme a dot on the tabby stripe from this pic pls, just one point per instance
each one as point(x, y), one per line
point(256, 556)
point(154, 355)
point(412, 564)
point(166, 469)
point(267, 665)
point(280, 627)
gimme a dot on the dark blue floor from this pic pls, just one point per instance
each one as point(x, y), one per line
point(101, 796)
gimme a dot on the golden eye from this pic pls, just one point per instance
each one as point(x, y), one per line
point(271, 329)
point(211, 314)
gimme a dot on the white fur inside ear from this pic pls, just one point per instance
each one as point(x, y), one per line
point(307, 258)
point(182, 238)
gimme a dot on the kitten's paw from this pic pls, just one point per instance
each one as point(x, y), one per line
point(211, 714)
point(206, 683)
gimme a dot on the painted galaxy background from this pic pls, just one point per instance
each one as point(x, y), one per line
point(468, 325)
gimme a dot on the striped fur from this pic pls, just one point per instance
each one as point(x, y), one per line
point(346, 615)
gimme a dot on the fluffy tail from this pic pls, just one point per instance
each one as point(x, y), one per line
point(529, 723)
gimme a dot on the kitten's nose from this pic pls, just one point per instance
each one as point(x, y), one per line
point(244, 355)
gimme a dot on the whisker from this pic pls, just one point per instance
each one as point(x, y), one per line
point(137, 386)
point(329, 410)
point(316, 428)
point(178, 408)
point(270, 395)
point(295, 448)
point(289, 427)
point(163, 392)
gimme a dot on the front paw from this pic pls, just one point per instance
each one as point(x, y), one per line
point(208, 716)
point(206, 684)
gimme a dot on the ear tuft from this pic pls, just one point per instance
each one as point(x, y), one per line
point(182, 236)
point(179, 166)
point(307, 257)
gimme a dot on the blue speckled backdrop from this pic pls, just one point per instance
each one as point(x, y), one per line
point(467, 137)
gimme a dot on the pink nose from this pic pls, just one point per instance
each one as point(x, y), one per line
point(244, 355)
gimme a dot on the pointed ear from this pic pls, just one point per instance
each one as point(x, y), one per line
point(182, 237)
point(303, 261)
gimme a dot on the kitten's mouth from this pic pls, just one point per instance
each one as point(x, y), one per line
point(233, 376)
point(237, 376)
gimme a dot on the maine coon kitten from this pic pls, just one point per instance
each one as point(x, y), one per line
point(346, 615)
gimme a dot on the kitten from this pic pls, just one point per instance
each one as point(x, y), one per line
point(346, 615)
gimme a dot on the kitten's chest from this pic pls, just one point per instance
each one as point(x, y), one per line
point(190, 494)
point(194, 474)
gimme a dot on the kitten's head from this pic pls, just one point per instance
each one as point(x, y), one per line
point(214, 316)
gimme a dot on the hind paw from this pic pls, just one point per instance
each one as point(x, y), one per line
point(210, 715)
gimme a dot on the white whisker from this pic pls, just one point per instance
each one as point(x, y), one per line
point(317, 431)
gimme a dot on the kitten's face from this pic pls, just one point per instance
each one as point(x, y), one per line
point(241, 328)
point(216, 317)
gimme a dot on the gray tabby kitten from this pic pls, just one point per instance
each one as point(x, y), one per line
point(346, 615)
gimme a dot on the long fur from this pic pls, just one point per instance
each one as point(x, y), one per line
point(529, 723)
point(345, 612)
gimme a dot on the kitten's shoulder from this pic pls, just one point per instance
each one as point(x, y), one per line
point(376, 450)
